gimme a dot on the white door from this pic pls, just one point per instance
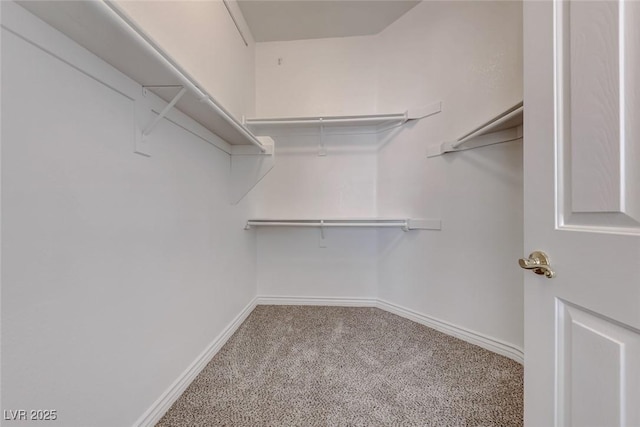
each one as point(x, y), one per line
point(582, 208)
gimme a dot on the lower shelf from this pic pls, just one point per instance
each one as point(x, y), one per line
point(405, 224)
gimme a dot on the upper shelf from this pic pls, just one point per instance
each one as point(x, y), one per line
point(373, 122)
point(109, 33)
point(405, 224)
point(505, 127)
point(378, 120)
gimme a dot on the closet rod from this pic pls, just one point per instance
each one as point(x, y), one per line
point(328, 120)
point(327, 224)
point(127, 24)
point(323, 223)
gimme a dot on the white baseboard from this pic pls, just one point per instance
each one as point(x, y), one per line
point(164, 402)
point(484, 341)
point(334, 301)
point(481, 340)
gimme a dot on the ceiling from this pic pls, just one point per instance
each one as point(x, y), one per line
point(281, 20)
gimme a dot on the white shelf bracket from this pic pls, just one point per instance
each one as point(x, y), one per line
point(322, 243)
point(147, 131)
point(142, 145)
point(418, 113)
point(322, 151)
point(249, 165)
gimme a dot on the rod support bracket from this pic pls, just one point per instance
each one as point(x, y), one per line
point(142, 146)
point(322, 243)
point(161, 115)
point(322, 151)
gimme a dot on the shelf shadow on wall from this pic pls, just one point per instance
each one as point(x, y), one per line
point(490, 161)
point(387, 136)
point(389, 239)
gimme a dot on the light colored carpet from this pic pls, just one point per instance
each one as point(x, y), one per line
point(343, 366)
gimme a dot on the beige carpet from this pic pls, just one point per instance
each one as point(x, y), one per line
point(339, 366)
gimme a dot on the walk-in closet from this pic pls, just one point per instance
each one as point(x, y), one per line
point(320, 213)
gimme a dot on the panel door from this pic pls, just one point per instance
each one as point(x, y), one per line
point(582, 208)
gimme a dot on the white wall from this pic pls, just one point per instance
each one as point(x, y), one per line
point(306, 185)
point(297, 262)
point(318, 77)
point(292, 263)
point(469, 55)
point(118, 270)
point(202, 38)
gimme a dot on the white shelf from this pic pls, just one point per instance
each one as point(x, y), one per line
point(378, 120)
point(405, 224)
point(107, 32)
point(367, 122)
point(505, 127)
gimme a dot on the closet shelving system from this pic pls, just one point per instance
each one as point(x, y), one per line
point(346, 124)
point(505, 127)
point(355, 124)
point(405, 224)
point(351, 124)
point(335, 121)
point(107, 31)
point(366, 123)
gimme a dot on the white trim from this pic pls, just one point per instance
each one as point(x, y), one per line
point(489, 343)
point(332, 301)
point(157, 410)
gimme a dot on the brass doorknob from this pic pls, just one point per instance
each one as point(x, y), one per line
point(538, 261)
